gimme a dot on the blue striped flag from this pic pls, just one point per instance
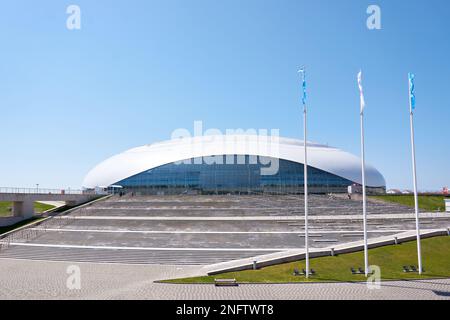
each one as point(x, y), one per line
point(412, 90)
point(302, 71)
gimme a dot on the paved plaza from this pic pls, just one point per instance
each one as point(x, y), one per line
point(122, 245)
point(26, 279)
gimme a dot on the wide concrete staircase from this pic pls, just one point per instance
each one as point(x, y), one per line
point(200, 230)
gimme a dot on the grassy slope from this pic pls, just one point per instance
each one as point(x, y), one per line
point(435, 252)
point(38, 207)
point(18, 225)
point(428, 203)
point(41, 207)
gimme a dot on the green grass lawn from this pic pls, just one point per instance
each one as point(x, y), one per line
point(41, 207)
point(435, 253)
point(428, 203)
point(5, 208)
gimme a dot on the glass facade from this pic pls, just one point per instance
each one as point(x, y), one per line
point(240, 175)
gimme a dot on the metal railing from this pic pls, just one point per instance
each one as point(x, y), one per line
point(46, 191)
point(31, 232)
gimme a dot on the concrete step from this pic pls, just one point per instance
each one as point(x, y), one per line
point(124, 256)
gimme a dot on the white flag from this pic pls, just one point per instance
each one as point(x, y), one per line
point(361, 94)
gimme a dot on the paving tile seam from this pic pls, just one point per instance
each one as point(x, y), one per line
point(250, 218)
point(145, 248)
point(217, 232)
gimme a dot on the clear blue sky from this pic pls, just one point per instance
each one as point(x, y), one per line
point(137, 70)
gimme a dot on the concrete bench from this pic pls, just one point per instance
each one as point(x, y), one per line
point(225, 283)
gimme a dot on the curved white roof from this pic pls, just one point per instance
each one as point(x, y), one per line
point(140, 159)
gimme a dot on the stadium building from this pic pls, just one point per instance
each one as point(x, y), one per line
point(232, 164)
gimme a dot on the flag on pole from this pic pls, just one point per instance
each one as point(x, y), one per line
point(363, 174)
point(412, 106)
point(302, 71)
point(361, 93)
point(412, 91)
point(305, 168)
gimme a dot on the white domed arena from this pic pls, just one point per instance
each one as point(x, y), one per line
point(232, 164)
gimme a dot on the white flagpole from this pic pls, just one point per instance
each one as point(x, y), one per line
point(416, 201)
point(363, 173)
point(305, 175)
point(363, 169)
point(305, 172)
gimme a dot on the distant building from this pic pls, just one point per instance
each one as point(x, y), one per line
point(232, 164)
